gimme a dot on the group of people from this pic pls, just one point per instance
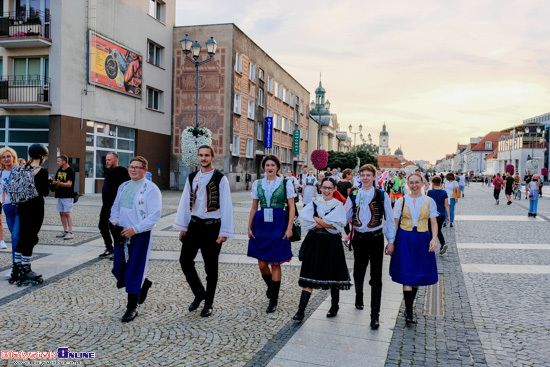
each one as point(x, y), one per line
point(512, 184)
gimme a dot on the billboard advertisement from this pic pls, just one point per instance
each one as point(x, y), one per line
point(114, 66)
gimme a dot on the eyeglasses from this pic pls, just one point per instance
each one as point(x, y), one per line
point(134, 168)
point(327, 188)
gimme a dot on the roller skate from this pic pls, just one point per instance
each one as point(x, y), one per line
point(27, 276)
point(15, 270)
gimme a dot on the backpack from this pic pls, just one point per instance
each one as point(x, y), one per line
point(21, 187)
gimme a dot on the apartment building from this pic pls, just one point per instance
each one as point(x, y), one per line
point(88, 77)
point(238, 90)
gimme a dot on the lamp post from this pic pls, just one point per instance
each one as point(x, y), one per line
point(528, 132)
point(321, 110)
point(354, 134)
point(187, 45)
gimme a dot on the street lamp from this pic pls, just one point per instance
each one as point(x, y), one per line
point(354, 134)
point(187, 45)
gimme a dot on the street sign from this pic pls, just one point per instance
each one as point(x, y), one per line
point(268, 136)
point(296, 145)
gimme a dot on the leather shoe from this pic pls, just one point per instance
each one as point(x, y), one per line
point(374, 323)
point(197, 301)
point(130, 314)
point(106, 253)
point(144, 289)
point(206, 311)
point(333, 311)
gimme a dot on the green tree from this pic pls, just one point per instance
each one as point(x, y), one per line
point(366, 157)
point(342, 160)
point(370, 148)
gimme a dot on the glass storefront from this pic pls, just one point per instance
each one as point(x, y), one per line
point(18, 132)
point(101, 139)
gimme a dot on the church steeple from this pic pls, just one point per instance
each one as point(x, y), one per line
point(319, 106)
point(383, 146)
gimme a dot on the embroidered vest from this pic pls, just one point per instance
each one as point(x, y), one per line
point(212, 191)
point(278, 199)
point(423, 218)
point(376, 208)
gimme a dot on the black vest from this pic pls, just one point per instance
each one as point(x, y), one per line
point(212, 191)
point(376, 207)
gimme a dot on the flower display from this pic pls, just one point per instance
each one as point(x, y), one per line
point(510, 168)
point(191, 139)
point(544, 171)
point(319, 158)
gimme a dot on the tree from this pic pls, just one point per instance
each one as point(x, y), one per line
point(366, 157)
point(342, 160)
point(371, 148)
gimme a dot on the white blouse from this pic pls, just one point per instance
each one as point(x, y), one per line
point(331, 211)
point(414, 205)
point(269, 188)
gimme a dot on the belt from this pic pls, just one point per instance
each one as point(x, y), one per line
point(378, 232)
point(205, 221)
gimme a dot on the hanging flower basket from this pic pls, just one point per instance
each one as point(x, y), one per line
point(510, 168)
point(544, 171)
point(319, 158)
point(191, 140)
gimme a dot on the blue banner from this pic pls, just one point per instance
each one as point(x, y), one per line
point(268, 137)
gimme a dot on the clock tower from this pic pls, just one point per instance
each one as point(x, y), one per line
point(383, 146)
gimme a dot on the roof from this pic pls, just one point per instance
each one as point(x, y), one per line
point(410, 163)
point(492, 155)
point(341, 136)
point(388, 161)
point(323, 120)
point(493, 137)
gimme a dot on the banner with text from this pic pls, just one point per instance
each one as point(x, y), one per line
point(296, 145)
point(268, 137)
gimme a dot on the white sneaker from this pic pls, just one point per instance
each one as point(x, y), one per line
point(3, 245)
point(68, 236)
point(61, 234)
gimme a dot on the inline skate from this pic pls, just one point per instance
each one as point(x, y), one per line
point(27, 276)
point(15, 270)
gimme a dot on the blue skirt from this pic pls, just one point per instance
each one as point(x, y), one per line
point(411, 263)
point(269, 245)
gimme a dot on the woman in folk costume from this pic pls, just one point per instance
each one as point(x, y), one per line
point(308, 187)
point(269, 230)
point(413, 261)
point(323, 260)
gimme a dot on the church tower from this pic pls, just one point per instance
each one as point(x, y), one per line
point(383, 146)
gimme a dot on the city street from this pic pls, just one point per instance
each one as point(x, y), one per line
point(490, 307)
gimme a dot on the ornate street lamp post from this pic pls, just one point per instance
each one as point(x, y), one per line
point(187, 45)
point(354, 134)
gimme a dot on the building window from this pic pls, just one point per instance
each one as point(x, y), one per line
point(301, 107)
point(154, 53)
point(277, 119)
point(283, 155)
point(269, 113)
point(261, 74)
point(488, 145)
point(154, 99)
point(292, 99)
point(260, 132)
point(296, 117)
point(270, 85)
point(237, 107)
point(286, 94)
point(276, 151)
point(249, 148)
point(285, 124)
point(251, 108)
point(239, 63)
point(252, 72)
point(289, 155)
point(156, 9)
point(260, 96)
point(236, 145)
point(30, 70)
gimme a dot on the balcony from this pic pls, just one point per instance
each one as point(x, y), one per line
point(25, 92)
point(25, 29)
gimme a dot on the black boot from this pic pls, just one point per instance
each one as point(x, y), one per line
point(275, 286)
point(375, 298)
point(267, 280)
point(409, 299)
point(144, 289)
point(200, 295)
point(415, 291)
point(15, 273)
point(359, 296)
point(131, 308)
point(335, 298)
point(304, 299)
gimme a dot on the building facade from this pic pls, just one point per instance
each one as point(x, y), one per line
point(238, 90)
point(88, 77)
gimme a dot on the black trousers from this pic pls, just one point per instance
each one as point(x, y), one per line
point(31, 216)
point(368, 247)
point(201, 235)
point(103, 226)
point(440, 220)
point(496, 193)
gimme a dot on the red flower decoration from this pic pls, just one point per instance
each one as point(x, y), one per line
point(319, 158)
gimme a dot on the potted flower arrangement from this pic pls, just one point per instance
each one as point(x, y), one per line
point(191, 139)
point(509, 168)
point(319, 158)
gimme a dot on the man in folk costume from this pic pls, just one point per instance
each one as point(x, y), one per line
point(205, 221)
point(136, 210)
point(367, 208)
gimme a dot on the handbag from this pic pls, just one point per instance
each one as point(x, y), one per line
point(296, 226)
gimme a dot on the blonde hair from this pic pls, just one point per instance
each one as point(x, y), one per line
point(141, 159)
point(13, 154)
point(415, 174)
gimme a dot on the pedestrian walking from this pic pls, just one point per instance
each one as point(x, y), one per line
point(413, 261)
point(461, 183)
point(115, 176)
point(497, 184)
point(371, 214)
point(443, 210)
point(135, 212)
point(205, 221)
point(8, 160)
point(270, 228)
point(453, 193)
point(532, 192)
point(397, 186)
point(509, 187)
point(63, 186)
point(527, 180)
point(30, 208)
point(323, 260)
point(309, 189)
point(320, 178)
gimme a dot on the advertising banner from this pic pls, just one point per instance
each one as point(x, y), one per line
point(114, 66)
point(296, 144)
point(268, 137)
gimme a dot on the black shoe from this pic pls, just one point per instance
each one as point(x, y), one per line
point(443, 249)
point(304, 299)
point(451, 225)
point(197, 301)
point(409, 319)
point(144, 289)
point(359, 301)
point(534, 215)
point(206, 311)
point(508, 203)
point(333, 311)
point(106, 253)
point(130, 314)
point(111, 258)
point(444, 224)
point(374, 323)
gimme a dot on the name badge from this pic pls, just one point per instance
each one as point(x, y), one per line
point(268, 215)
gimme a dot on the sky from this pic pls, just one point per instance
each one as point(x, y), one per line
point(436, 72)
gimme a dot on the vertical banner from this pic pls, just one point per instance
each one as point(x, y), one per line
point(296, 145)
point(268, 136)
